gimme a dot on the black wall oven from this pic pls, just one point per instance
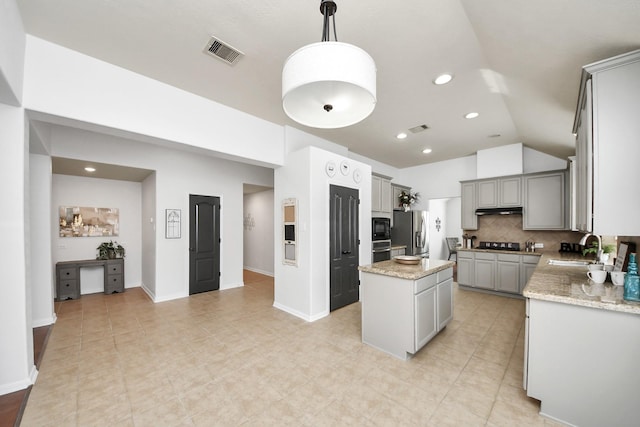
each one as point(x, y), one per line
point(380, 228)
point(381, 250)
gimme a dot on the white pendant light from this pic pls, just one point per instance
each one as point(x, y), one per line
point(329, 84)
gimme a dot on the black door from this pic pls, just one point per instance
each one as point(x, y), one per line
point(344, 246)
point(204, 244)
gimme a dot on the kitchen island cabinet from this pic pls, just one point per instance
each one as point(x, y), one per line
point(581, 348)
point(405, 306)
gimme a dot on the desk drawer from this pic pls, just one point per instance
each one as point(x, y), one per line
point(68, 289)
point(67, 273)
point(113, 283)
point(114, 267)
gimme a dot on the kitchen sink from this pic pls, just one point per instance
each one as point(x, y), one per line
point(568, 263)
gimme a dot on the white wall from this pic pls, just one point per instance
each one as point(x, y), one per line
point(148, 225)
point(12, 44)
point(453, 219)
point(64, 83)
point(40, 256)
point(303, 290)
point(500, 161)
point(178, 174)
point(258, 232)
point(536, 161)
point(16, 340)
point(438, 180)
point(378, 167)
point(437, 244)
point(99, 193)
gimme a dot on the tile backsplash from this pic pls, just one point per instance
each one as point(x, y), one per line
point(508, 228)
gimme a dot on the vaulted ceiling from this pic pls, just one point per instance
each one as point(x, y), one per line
point(517, 63)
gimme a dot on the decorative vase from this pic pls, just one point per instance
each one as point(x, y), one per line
point(632, 280)
point(405, 207)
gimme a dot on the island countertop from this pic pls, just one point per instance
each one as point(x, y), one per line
point(410, 272)
point(570, 285)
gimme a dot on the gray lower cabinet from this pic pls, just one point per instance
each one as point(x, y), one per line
point(500, 272)
point(485, 270)
point(529, 264)
point(465, 261)
point(508, 273)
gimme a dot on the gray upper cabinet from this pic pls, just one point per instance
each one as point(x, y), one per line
point(469, 206)
point(607, 148)
point(380, 194)
point(545, 201)
point(488, 193)
point(510, 191)
point(500, 192)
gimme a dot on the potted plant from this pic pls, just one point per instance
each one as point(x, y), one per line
point(406, 199)
point(593, 249)
point(110, 250)
point(120, 251)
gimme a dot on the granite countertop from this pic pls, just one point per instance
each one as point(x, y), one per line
point(570, 285)
point(410, 272)
point(499, 251)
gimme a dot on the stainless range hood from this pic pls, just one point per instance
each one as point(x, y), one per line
point(500, 211)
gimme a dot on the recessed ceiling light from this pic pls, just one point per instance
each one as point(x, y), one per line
point(443, 79)
point(90, 169)
point(427, 150)
point(401, 135)
point(472, 115)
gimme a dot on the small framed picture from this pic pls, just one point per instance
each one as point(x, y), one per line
point(173, 223)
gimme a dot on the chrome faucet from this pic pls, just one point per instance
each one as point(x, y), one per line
point(583, 242)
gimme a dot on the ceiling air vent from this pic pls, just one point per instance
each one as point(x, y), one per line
point(419, 128)
point(223, 51)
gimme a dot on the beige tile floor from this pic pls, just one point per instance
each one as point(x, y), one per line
point(230, 358)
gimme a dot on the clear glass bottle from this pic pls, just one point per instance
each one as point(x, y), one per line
point(632, 280)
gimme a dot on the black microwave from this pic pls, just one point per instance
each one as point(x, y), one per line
point(380, 228)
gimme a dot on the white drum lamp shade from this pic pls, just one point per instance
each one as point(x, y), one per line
point(329, 85)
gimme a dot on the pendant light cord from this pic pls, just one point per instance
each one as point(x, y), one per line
point(328, 9)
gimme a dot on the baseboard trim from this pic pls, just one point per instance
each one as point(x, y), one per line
point(36, 323)
point(299, 314)
point(15, 386)
point(257, 270)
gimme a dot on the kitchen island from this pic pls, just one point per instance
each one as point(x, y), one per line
point(405, 306)
point(582, 348)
